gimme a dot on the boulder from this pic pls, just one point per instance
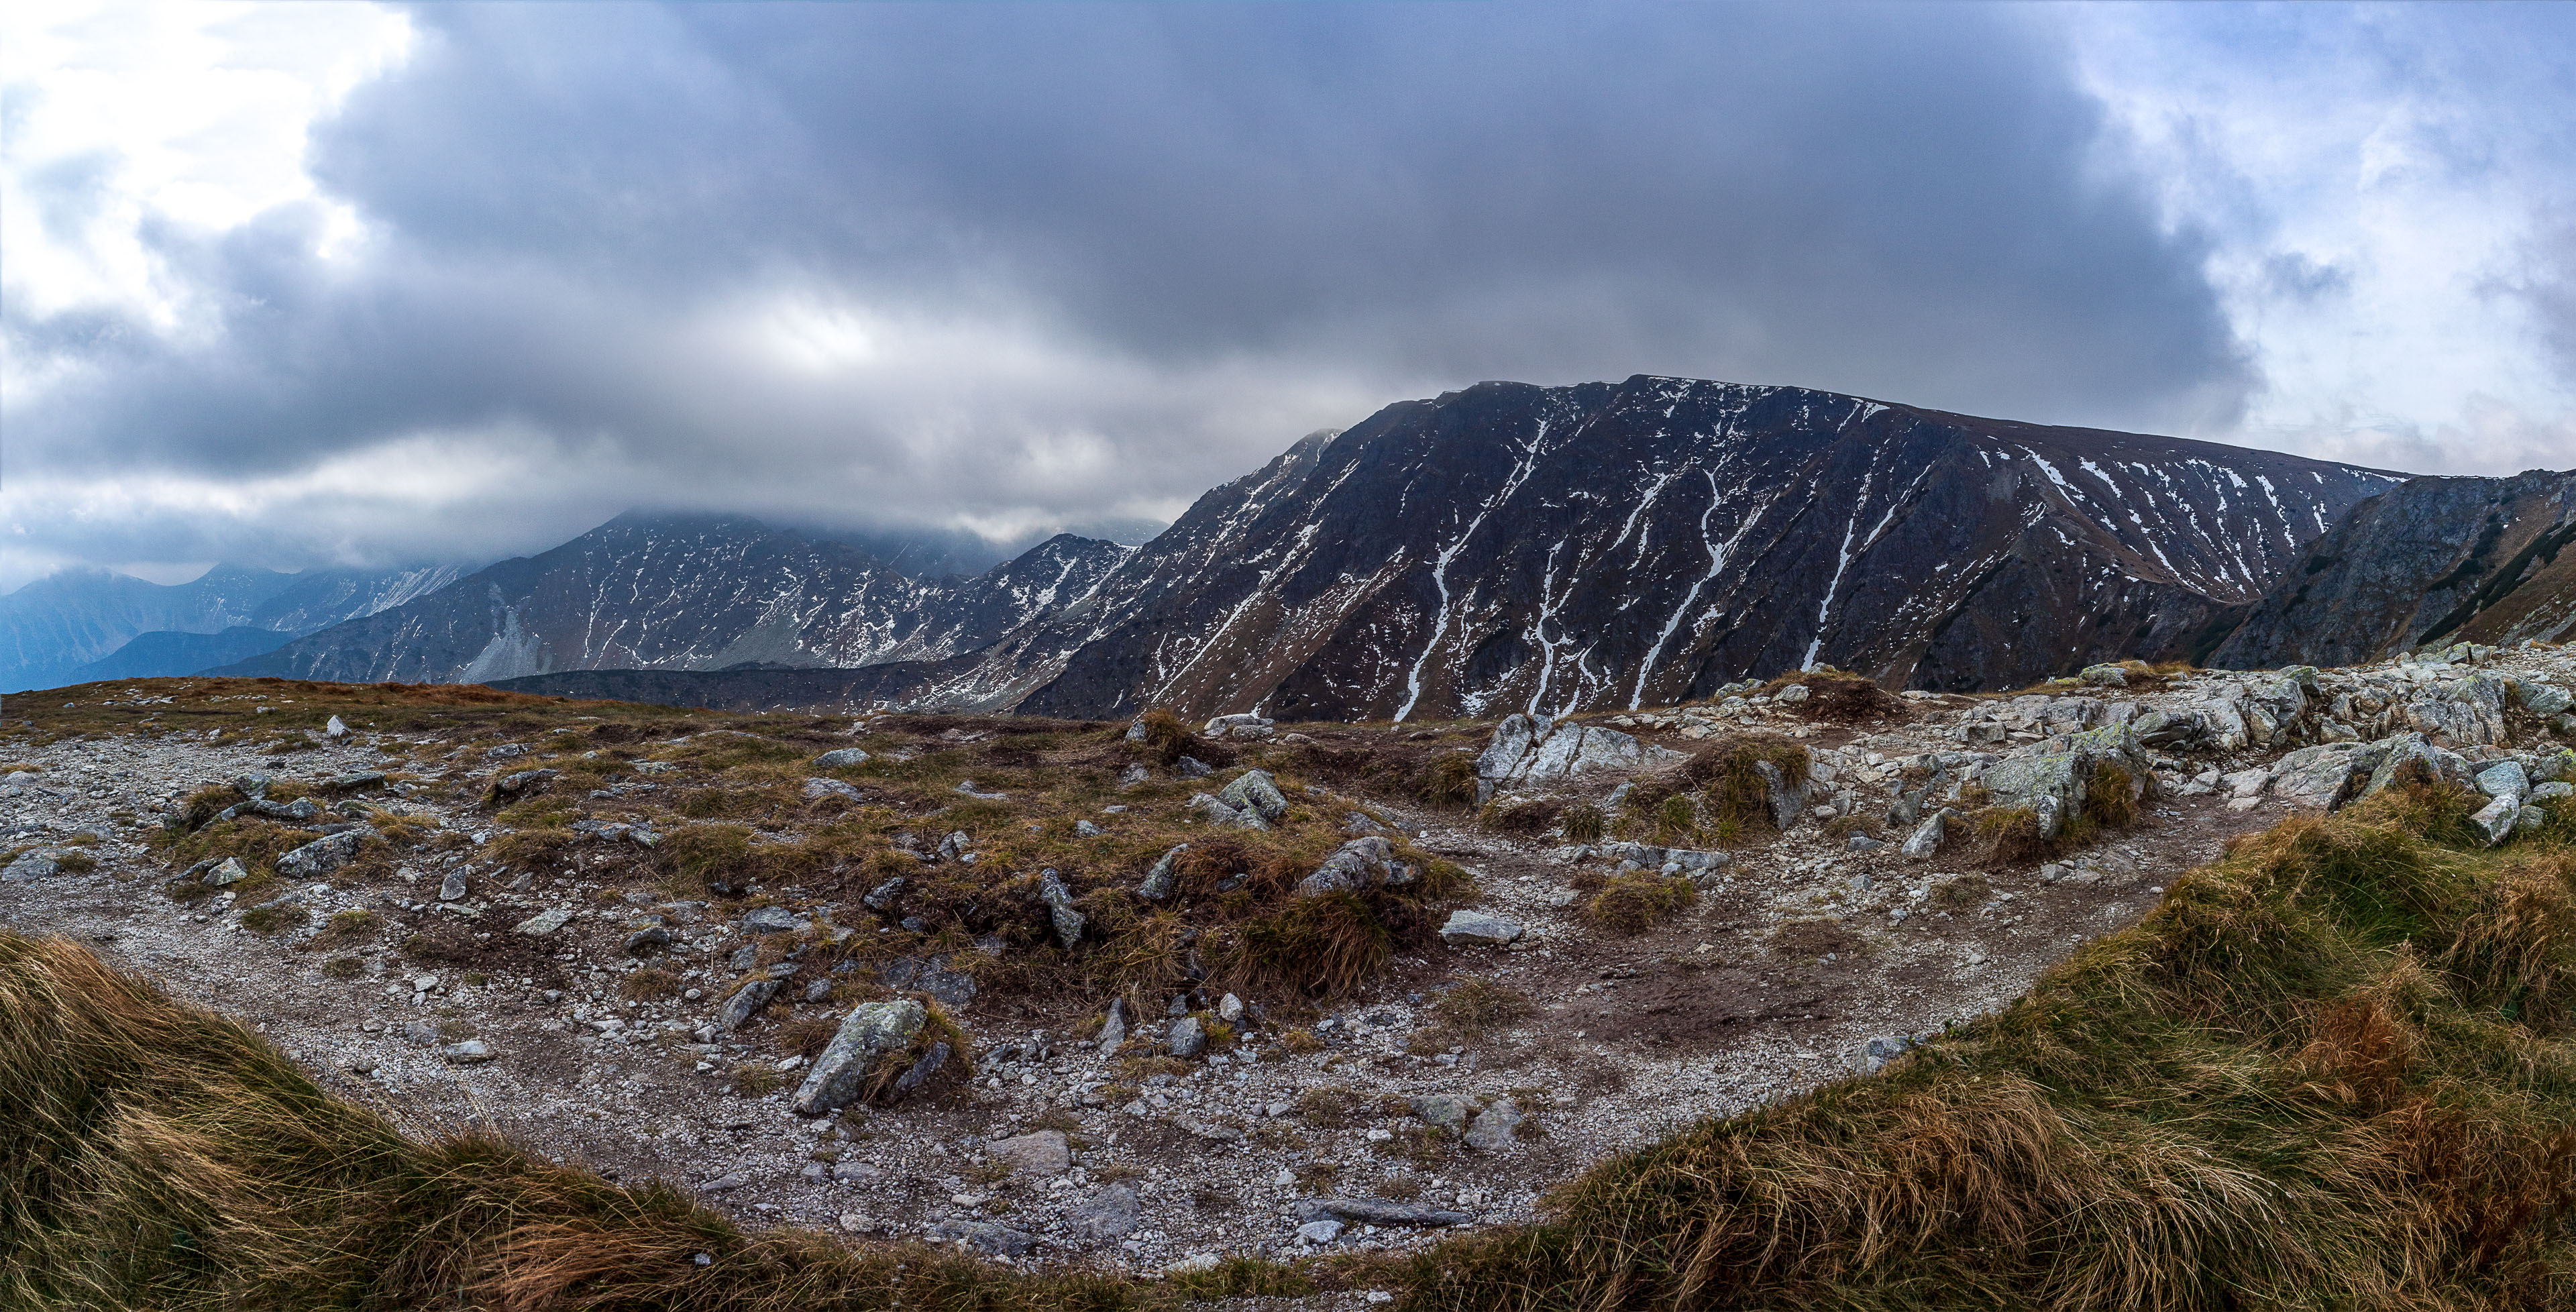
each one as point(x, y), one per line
point(2066, 777)
point(1059, 903)
point(2495, 822)
point(1257, 792)
point(746, 1002)
point(2543, 698)
point(2105, 676)
point(1360, 864)
point(1495, 1128)
point(1527, 749)
point(839, 758)
point(1374, 1211)
point(946, 986)
point(2465, 712)
point(869, 1033)
point(997, 1240)
point(1108, 1214)
point(1186, 1037)
point(1164, 878)
point(2413, 748)
point(818, 788)
point(1927, 836)
point(2325, 776)
point(772, 920)
point(1244, 725)
point(1477, 929)
point(31, 867)
point(545, 922)
point(1224, 815)
point(1039, 1152)
point(2505, 779)
point(322, 856)
point(1786, 800)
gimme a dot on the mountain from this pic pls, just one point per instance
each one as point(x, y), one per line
point(54, 627)
point(1504, 547)
point(2466, 559)
point(167, 651)
point(1511, 546)
point(690, 592)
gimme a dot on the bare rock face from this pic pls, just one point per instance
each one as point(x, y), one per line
point(2471, 559)
point(1532, 749)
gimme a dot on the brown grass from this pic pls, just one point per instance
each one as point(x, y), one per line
point(1639, 900)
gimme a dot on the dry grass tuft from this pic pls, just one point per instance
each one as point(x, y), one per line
point(1639, 900)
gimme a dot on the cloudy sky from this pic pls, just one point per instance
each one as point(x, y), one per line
point(313, 283)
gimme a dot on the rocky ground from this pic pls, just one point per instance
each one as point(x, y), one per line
point(435, 926)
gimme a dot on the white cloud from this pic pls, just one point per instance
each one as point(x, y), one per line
point(126, 117)
point(2376, 182)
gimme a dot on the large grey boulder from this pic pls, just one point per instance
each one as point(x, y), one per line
point(1355, 866)
point(1375, 1211)
point(870, 1032)
point(2543, 698)
point(1108, 1214)
point(1039, 1152)
point(2465, 712)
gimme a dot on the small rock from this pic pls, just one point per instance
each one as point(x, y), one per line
point(728, 1180)
point(1160, 881)
point(816, 789)
point(1193, 768)
point(772, 920)
point(1319, 1232)
point(1108, 1214)
point(648, 937)
point(511, 785)
point(1791, 695)
point(870, 1031)
point(420, 1032)
point(1495, 1127)
point(227, 871)
point(1000, 1241)
point(1186, 1037)
point(2105, 676)
point(31, 867)
point(1375, 1211)
point(1086, 829)
point(1131, 776)
point(2496, 821)
point(1113, 1030)
point(1040, 1152)
point(452, 887)
point(1229, 1009)
point(1862, 843)
point(1477, 929)
point(854, 1173)
point(746, 1002)
point(1059, 902)
point(545, 922)
point(321, 856)
point(335, 729)
point(1446, 1111)
point(839, 758)
point(468, 1052)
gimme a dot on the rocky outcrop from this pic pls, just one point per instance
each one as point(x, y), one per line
point(1533, 749)
point(2469, 559)
point(873, 1032)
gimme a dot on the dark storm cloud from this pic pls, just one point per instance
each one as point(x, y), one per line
point(1305, 204)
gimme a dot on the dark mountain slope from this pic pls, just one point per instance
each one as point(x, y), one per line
point(2475, 559)
point(55, 626)
point(1513, 546)
point(691, 593)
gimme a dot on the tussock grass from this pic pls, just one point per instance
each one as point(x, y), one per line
point(1636, 902)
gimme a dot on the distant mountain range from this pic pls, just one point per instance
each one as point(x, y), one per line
point(1499, 548)
point(2468, 559)
point(85, 624)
